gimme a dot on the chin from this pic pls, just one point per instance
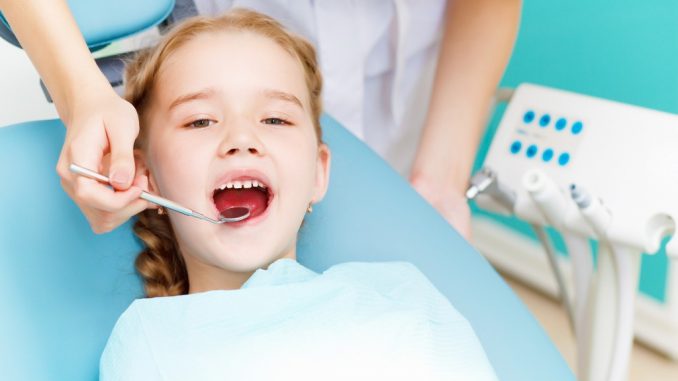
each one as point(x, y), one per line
point(244, 259)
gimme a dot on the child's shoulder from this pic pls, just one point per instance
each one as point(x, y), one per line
point(384, 276)
point(371, 269)
point(391, 268)
point(130, 319)
point(133, 321)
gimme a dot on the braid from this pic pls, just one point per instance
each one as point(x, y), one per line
point(160, 264)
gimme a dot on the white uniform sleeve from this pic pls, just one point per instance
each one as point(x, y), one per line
point(128, 354)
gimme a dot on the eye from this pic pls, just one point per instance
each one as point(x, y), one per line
point(276, 122)
point(200, 123)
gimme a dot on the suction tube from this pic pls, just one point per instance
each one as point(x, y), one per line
point(627, 265)
point(553, 262)
point(553, 206)
point(622, 273)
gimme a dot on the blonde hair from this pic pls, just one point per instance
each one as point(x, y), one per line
point(160, 263)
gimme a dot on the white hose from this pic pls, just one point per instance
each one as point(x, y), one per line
point(553, 205)
point(620, 266)
point(627, 265)
point(582, 271)
point(553, 262)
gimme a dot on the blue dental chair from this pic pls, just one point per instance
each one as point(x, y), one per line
point(62, 287)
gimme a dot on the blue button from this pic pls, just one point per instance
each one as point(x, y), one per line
point(516, 146)
point(528, 117)
point(545, 120)
point(577, 127)
point(564, 158)
point(561, 124)
point(531, 151)
point(547, 155)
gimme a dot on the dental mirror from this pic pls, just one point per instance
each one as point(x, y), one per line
point(233, 214)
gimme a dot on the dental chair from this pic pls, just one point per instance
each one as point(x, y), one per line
point(62, 287)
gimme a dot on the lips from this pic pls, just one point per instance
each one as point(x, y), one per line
point(246, 188)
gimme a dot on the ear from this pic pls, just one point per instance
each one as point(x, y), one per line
point(322, 172)
point(143, 169)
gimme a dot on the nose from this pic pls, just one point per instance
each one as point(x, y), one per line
point(240, 137)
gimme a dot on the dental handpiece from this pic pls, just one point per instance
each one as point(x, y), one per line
point(233, 214)
point(485, 181)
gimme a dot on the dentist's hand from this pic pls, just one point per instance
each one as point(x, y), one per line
point(100, 125)
point(100, 134)
point(448, 202)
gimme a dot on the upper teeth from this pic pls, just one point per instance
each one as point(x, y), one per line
point(242, 184)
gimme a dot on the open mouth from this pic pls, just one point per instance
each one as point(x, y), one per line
point(243, 192)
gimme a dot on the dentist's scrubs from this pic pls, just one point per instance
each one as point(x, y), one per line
point(377, 58)
point(355, 321)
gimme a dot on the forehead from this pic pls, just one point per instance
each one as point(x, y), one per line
point(235, 62)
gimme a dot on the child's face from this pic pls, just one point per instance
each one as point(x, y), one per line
point(225, 106)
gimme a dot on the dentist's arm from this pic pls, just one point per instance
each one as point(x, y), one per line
point(476, 46)
point(98, 122)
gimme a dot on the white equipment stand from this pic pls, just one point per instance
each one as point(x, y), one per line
point(591, 168)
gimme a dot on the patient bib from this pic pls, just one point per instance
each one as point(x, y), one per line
point(355, 321)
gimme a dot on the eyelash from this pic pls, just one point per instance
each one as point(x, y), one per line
point(280, 122)
point(192, 124)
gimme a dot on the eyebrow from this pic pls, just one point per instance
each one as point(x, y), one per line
point(210, 91)
point(200, 94)
point(281, 95)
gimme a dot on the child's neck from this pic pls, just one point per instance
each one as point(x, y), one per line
point(204, 277)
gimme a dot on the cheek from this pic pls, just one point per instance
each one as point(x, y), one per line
point(300, 167)
point(179, 172)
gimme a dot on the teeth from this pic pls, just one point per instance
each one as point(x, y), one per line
point(242, 184)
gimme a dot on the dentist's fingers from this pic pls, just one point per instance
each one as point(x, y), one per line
point(141, 181)
point(106, 199)
point(134, 208)
point(101, 127)
point(84, 145)
point(122, 131)
point(130, 205)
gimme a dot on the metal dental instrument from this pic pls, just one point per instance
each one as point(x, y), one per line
point(233, 214)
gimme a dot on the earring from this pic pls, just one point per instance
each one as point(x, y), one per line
point(310, 208)
point(161, 211)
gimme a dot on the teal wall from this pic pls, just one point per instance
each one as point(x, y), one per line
point(621, 50)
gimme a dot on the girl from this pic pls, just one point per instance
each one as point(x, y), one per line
point(229, 110)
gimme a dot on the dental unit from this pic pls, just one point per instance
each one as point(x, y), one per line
point(591, 169)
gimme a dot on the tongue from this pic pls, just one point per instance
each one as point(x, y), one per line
point(253, 199)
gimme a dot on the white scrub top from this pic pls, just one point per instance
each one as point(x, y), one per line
point(377, 58)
